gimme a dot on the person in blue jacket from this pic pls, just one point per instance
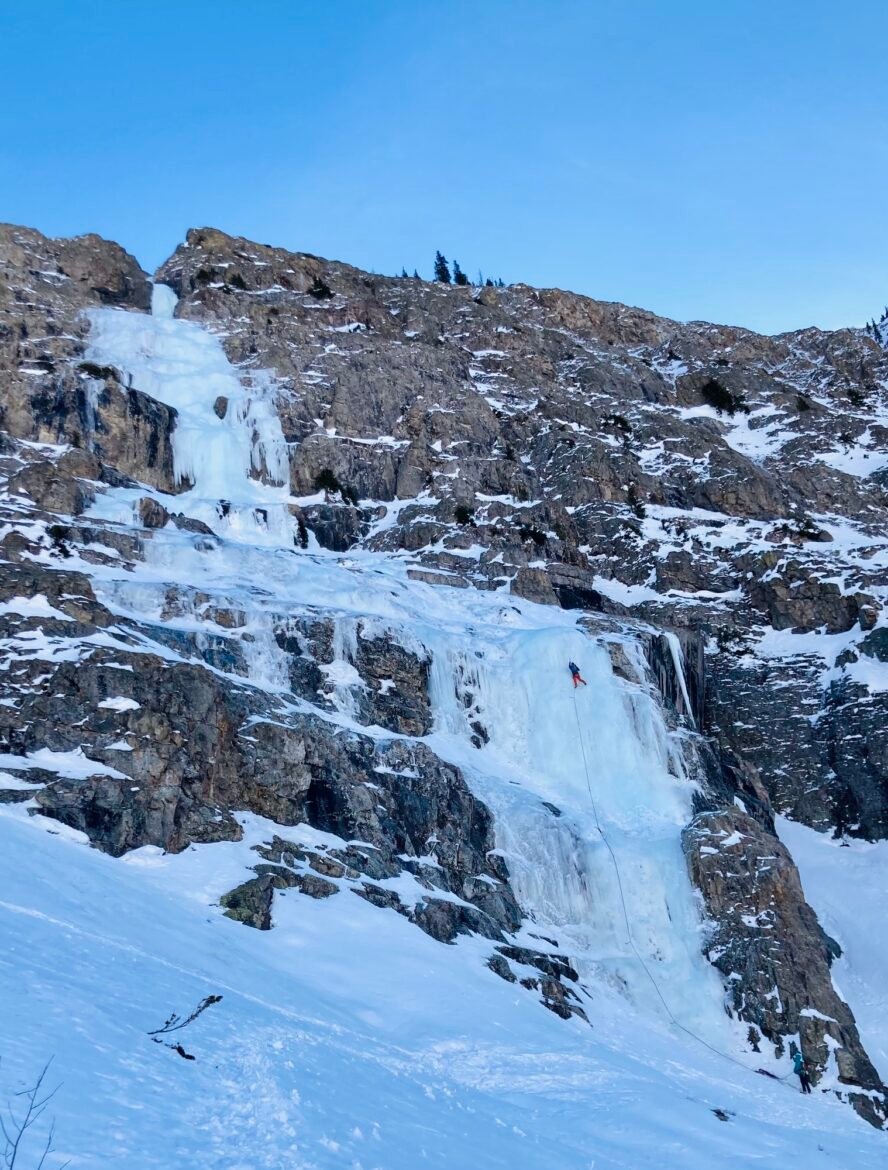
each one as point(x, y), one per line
point(798, 1067)
point(575, 675)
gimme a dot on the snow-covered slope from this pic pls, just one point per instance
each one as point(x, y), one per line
point(345, 1038)
point(847, 884)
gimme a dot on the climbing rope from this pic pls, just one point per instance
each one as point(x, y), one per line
point(669, 1012)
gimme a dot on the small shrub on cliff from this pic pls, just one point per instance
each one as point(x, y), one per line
point(320, 290)
point(59, 534)
point(617, 422)
point(326, 481)
point(732, 641)
point(724, 400)
point(861, 395)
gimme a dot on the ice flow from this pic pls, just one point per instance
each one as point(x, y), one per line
point(228, 446)
point(600, 755)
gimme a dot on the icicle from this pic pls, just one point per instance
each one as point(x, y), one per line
point(677, 652)
point(163, 301)
point(341, 672)
point(267, 664)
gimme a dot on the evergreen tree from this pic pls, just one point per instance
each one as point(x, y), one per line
point(416, 275)
point(442, 272)
point(320, 290)
point(404, 275)
point(459, 277)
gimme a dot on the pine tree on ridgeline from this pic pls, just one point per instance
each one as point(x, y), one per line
point(459, 277)
point(442, 272)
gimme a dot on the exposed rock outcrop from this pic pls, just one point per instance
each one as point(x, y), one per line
point(774, 955)
point(51, 394)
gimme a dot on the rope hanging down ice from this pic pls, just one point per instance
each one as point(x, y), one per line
point(669, 1012)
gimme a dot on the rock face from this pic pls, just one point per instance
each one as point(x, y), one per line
point(51, 394)
point(735, 483)
point(173, 748)
point(717, 497)
point(767, 942)
point(394, 680)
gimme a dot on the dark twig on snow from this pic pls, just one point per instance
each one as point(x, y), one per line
point(175, 1023)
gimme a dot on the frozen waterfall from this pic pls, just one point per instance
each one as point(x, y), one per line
point(537, 752)
point(541, 736)
point(227, 441)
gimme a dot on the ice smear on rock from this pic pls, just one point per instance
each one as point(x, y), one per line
point(227, 443)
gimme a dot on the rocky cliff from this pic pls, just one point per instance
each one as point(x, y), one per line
point(711, 504)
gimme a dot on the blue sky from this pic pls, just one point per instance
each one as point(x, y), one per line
point(724, 160)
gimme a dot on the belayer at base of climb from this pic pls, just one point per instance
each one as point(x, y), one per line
point(575, 675)
point(798, 1067)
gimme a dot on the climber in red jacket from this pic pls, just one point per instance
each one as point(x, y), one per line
point(575, 675)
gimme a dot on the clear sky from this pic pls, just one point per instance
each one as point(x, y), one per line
point(725, 160)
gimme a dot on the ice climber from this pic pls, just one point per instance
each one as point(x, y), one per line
point(575, 675)
point(798, 1067)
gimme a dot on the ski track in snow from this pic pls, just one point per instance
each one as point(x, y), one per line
point(347, 1037)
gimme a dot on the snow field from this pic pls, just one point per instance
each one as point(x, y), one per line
point(345, 1038)
point(848, 887)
